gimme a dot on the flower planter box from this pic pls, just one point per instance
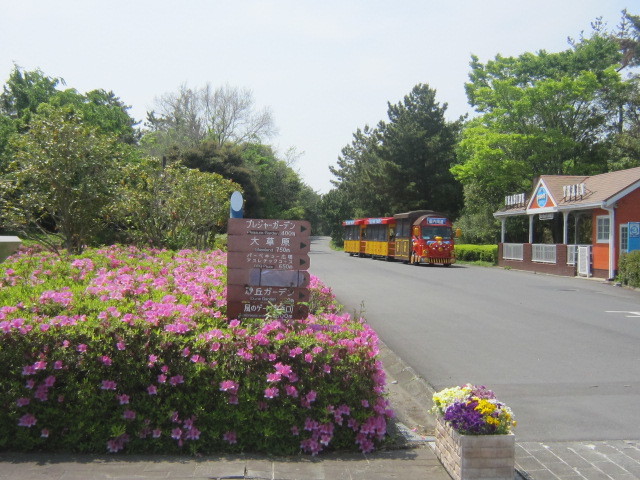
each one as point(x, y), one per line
point(475, 456)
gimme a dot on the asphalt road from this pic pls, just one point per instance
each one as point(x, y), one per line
point(563, 353)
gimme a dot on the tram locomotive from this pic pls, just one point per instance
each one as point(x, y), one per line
point(417, 237)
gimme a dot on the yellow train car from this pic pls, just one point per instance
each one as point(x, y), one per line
point(353, 236)
point(379, 236)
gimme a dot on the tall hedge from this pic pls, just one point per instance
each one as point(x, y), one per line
point(629, 269)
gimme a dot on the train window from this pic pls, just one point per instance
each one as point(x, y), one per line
point(430, 233)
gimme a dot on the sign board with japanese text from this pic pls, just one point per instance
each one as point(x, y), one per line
point(266, 264)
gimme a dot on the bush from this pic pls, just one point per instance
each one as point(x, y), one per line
point(127, 349)
point(477, 253)
point(629, 269)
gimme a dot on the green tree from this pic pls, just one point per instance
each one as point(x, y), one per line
point(358, 172)
point(418, 150)
point(545, 113)
point(173, 206)
point(24, 91)
point(101, 109)
point(335, 208)
point(403, 164)
point(60, 180)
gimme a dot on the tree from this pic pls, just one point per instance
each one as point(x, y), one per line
point(188, 117)
point(24, 91)
point(172, 206)
point(101, 109)
point(404, 163)
point(545, 113)
point(417, 152)
point(60, 179)
point(358, 170)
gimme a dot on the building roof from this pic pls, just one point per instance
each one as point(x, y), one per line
point(575, 192)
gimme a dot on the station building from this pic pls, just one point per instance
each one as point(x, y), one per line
point(608, 205)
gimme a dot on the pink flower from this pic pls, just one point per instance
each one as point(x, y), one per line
point(27, 420)
point(272, 392)
point(49, 381)
point(291, 391)
point(152, 390)
point(121, 346)
point(81, 348)
point(108, 385)
point(58, 365)
point(234, 323)
point(295, 352)
point(230, 437)
point(176, 434)
point(162, 378)
point(273, 377)
point(229, 386)
point(41, 365)
point(156, 433)
point(106, 360)
point(28, 370)
point(44, 433)
point(129, 415)
point(23, 401)
point(176, 380)
point(124, 399)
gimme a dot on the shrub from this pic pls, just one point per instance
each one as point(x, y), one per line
point(127, 349)
point(477, 253)
point(629, 269)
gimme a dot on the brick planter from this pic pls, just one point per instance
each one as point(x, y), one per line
point(475, 456)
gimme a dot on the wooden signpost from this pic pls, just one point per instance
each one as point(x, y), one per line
point(267, 264)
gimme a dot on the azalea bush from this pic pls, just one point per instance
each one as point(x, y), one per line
point(473, 410)
point(123, 349)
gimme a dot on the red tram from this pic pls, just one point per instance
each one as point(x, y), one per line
point(420, 236)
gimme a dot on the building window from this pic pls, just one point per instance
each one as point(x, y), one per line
point(603, 229)
point(624, 237)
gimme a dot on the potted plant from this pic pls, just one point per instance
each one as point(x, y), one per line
point(474, 437)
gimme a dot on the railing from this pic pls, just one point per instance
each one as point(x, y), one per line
point(572, 254)
point(513, 251)
point(543, 253)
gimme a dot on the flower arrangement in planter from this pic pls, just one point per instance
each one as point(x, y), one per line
point(474, 436)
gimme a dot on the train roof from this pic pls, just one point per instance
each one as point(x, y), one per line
point(379, 221)
point(357, 221)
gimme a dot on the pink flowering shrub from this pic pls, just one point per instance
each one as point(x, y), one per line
point(121, 349)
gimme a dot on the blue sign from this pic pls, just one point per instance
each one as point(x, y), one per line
point(634, 236)
point(375, 221)
point(436, 221)
point(542, 197)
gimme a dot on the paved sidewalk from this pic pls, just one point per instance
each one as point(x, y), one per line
point(610, 460)
point(414, 463)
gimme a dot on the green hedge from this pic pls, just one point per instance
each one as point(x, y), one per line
point(477, 253)
point(629, 269)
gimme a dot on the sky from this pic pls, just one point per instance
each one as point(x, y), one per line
point(324, 68)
